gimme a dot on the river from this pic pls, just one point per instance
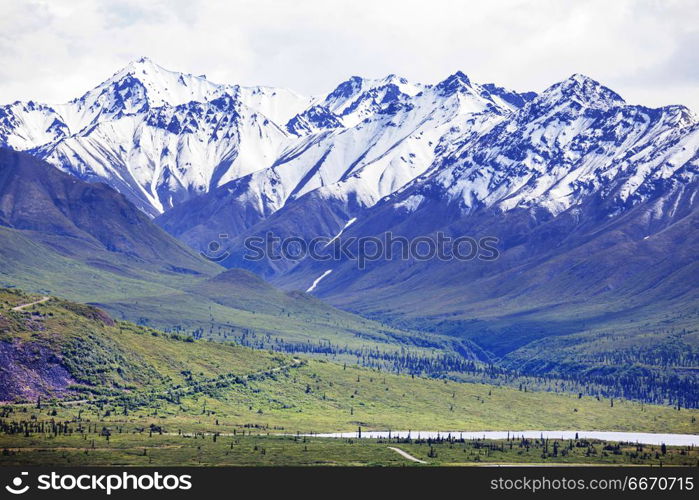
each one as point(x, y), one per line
point(627, 437)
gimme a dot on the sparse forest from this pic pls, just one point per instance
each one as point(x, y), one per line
point(102, 390)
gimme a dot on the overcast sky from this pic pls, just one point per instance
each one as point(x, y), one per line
point(647, 51)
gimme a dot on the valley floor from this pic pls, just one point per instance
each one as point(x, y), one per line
point(122, 394)
point(262, 422)
point(143, 449)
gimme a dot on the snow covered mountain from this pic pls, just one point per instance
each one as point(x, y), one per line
point(363, 141)
point(162, 137)
point(594, 206)
point(592, 200)
point(576, 139)
point(157, 136)
point(208, 159)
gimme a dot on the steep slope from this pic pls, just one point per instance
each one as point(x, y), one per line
point(593, 204)
point(60, 235)
point(87, 221)
point(335, 173)
point(157, 136)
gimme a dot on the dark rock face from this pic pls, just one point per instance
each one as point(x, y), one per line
point(313, 119)
point(29, 370)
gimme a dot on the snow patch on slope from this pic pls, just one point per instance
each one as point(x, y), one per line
point(348, 224)
point(317, 280)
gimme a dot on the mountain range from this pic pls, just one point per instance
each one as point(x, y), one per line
point(591, 200)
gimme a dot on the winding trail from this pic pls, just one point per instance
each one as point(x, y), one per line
point(24, 306)
point(407, 455)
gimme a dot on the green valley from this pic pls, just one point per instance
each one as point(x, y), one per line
point(85, 388)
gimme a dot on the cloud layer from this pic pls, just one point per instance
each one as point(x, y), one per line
point(54, 50)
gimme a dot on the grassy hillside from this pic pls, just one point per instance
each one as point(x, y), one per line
point(227, 305)
point(124, 365)
point(237, 303)
point(31, 265)
point(96, 390)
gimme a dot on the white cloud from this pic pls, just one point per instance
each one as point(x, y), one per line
point(53, 50)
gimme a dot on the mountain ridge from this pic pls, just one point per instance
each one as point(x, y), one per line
point(140, 131)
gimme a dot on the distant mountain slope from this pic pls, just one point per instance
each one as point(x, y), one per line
point(63, 236)
point(575, 159)
point(89, 221)
point(577, 295)
point(594, 204)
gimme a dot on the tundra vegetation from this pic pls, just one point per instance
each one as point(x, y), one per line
point(82, 388)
